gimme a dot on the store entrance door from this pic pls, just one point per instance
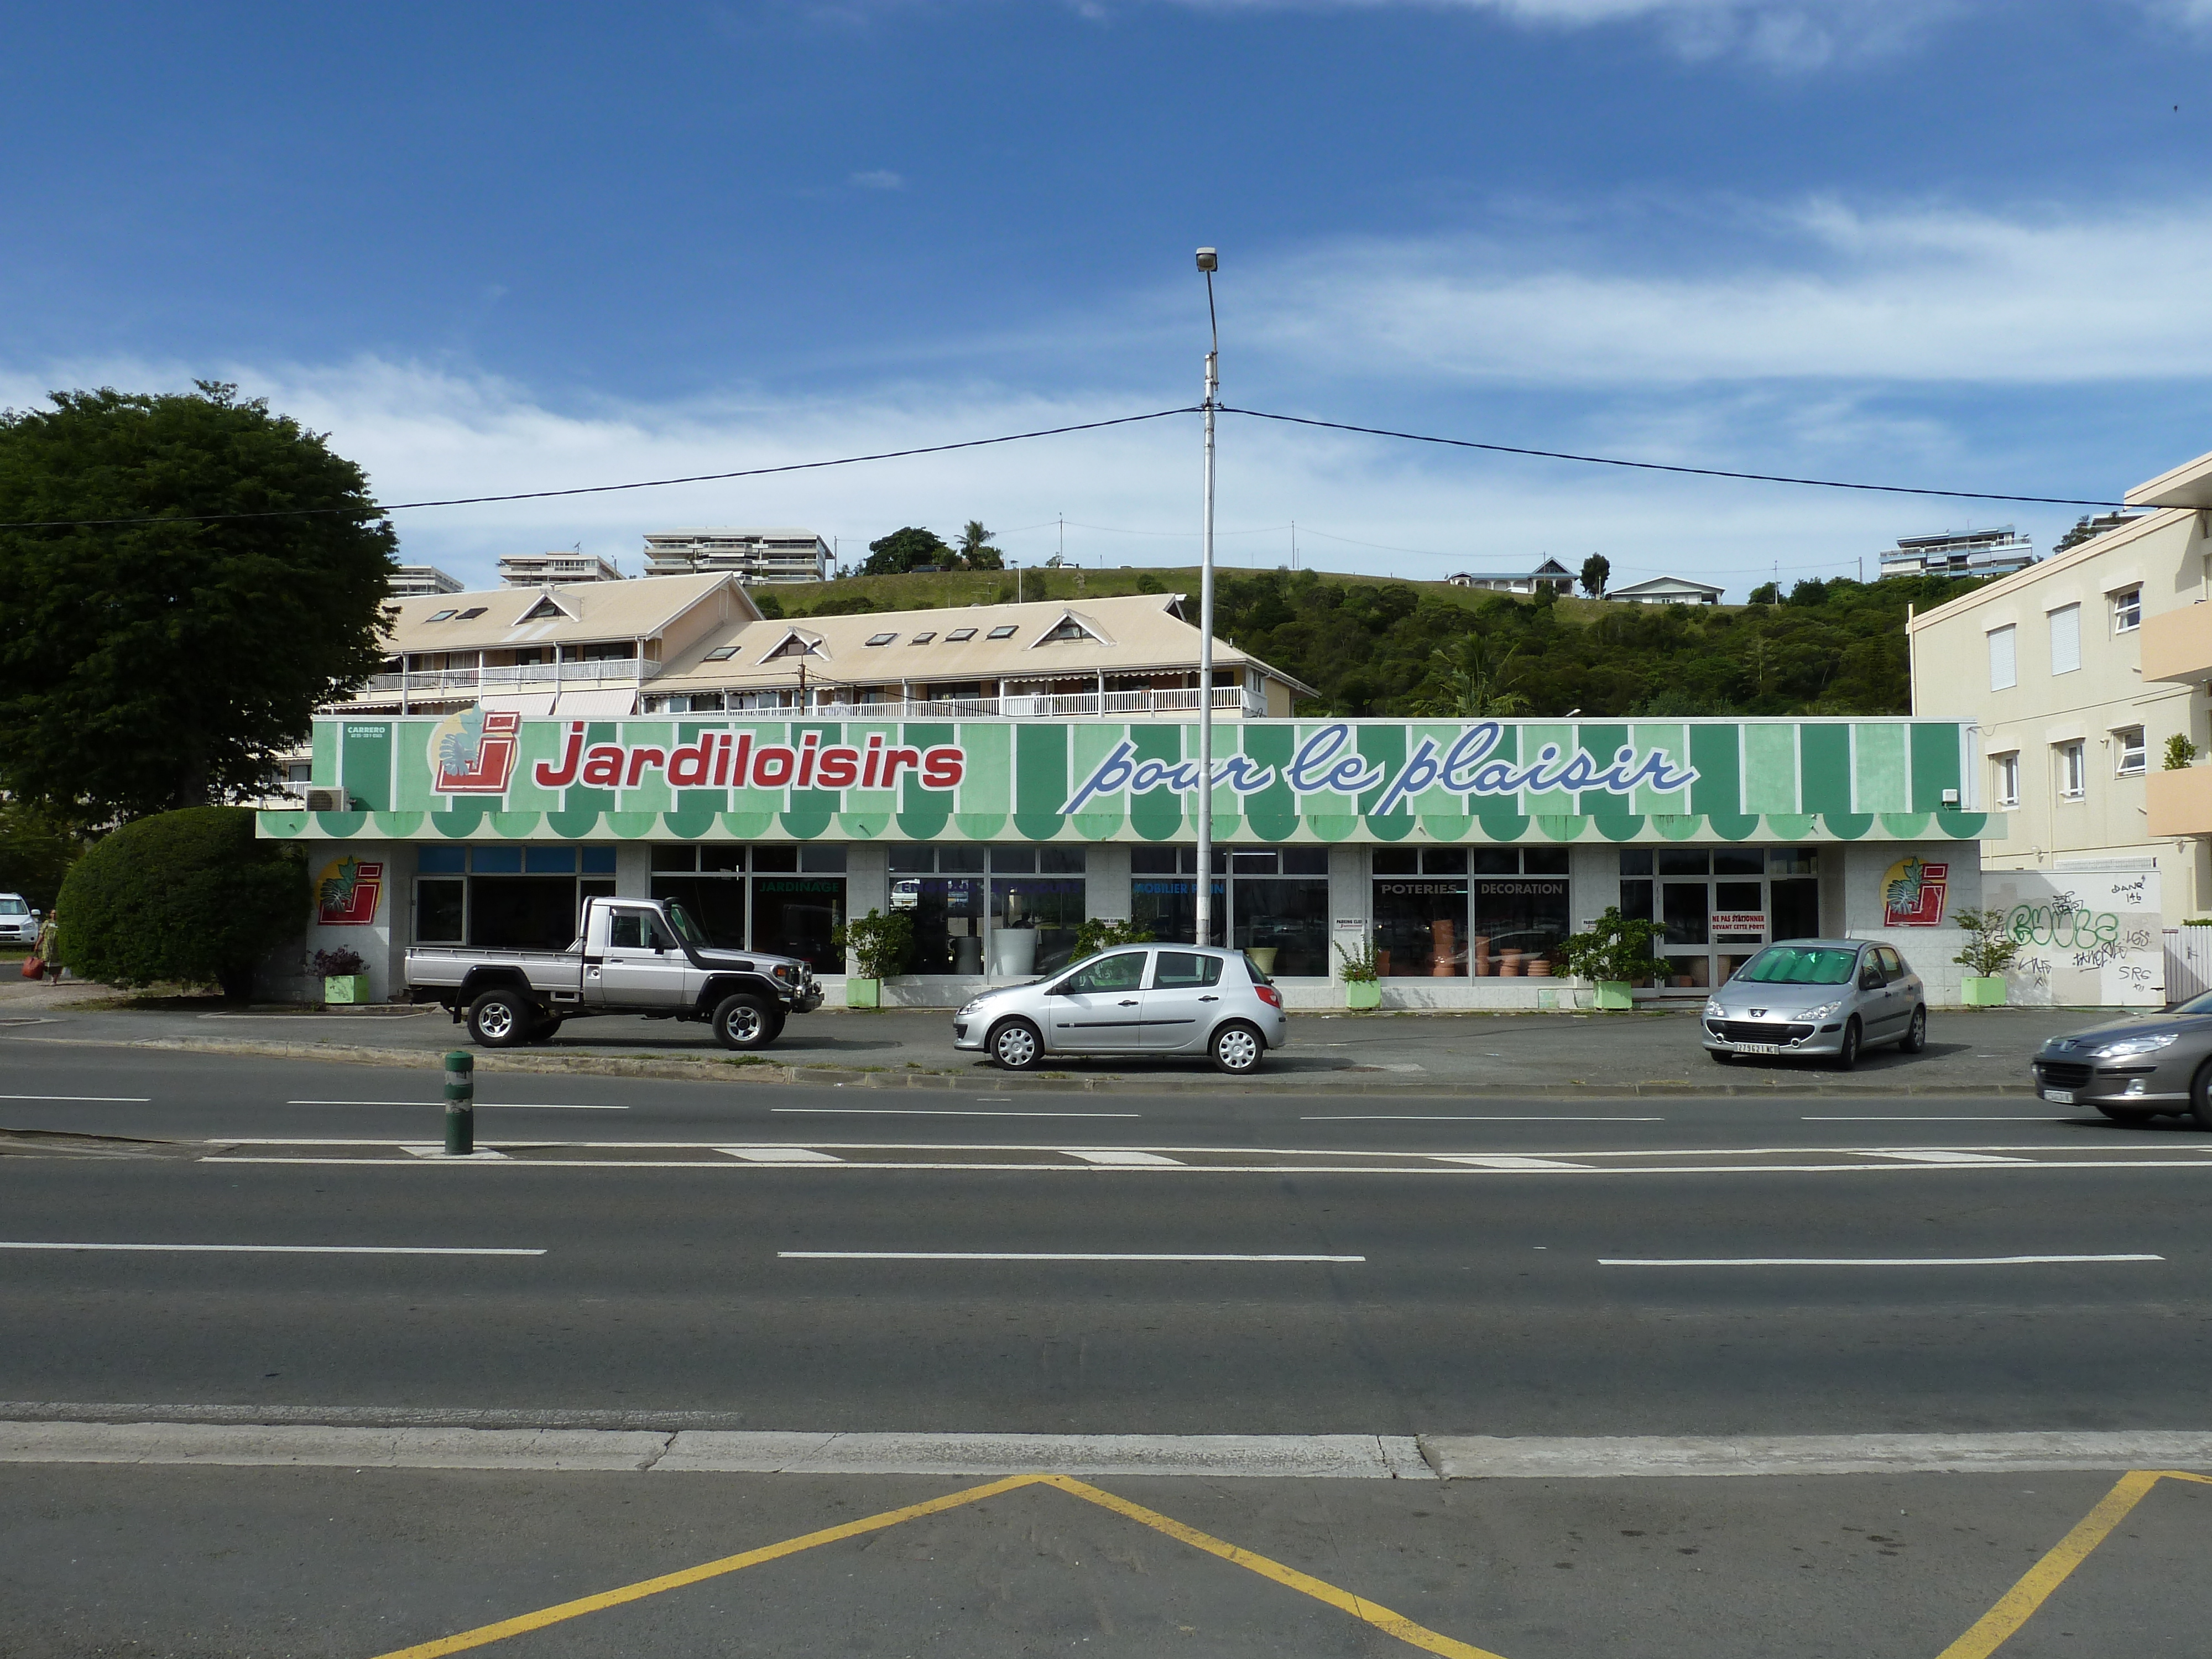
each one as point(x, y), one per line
point(1717, 907)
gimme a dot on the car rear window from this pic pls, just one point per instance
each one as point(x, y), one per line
point(1253, 969)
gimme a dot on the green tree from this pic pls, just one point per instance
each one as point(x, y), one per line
point(35, 852)
point(188, 897)
point(977, 552)
point(152, 655)
point(900, 551)
point(1595, 569)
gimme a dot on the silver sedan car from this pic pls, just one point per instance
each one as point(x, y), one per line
point(1138, 1000)
point(2136, 1067)
point(1833, 998)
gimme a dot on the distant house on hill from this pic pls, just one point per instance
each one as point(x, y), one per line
point(1551, 573)
point(1666, 590)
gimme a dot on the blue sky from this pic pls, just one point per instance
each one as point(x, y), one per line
point(498, 248)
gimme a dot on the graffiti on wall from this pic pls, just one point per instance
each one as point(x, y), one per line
point(2086, 938)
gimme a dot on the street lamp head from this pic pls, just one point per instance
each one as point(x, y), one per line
point(1208, 260)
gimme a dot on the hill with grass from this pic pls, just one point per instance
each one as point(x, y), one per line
point(1378, 646)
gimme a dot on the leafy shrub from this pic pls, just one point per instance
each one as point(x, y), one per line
point(340, 964)
point(1094, 936)
point(2181, 753)
point(1359, 967)
point(1991, 949)
point(189, 898)
point(877, 944)
point(1614, 948)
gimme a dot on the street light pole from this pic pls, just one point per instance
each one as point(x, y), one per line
point(1208, 262)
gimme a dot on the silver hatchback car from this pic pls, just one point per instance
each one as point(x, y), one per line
point(1818, 996)
point(1138, 1000)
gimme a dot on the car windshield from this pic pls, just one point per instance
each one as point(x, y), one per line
point(2196, 1005)
point(686, 929)
point(14, 907)
point(1799, 964)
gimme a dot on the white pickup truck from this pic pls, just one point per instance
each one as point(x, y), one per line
point(634, 957)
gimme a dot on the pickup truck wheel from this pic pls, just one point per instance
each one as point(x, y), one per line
point(499, 1020)
point(544, 1031)
point(745, 1022)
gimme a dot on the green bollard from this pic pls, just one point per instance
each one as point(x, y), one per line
point(460, 1104)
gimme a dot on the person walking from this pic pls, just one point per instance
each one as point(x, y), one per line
point(51, 967)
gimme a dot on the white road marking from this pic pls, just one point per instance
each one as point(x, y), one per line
point(1479, 1117)
point(437, 1149)
point(1502, 1161)
point(1940, 1157)
point(779, 1155)
point(1459, 1457)
point(929, 1111)
point(1121, 1159)
point(1862, 1260)
point(2000, 1117)
point(273, 1249)
point(1039, 1256)
point(481, 1105)
point(101, 1100)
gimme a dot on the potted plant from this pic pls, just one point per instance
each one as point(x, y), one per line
point(1612, 956)
point(1096, 934)
point(878, 945)
point(1362, 977)
point(1991, 949)
point(343, 982)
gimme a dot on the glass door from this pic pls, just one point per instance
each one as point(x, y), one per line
point(1717, 907)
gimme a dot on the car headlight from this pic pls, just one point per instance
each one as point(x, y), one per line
point(1825, 1010)
point(970, 1006)
point(2136, 1045)
point(1714, 1011)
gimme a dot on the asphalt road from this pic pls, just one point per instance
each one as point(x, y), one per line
point(775, 1257)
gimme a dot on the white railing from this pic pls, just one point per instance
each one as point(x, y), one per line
point(437, 682)
point(1037, 705)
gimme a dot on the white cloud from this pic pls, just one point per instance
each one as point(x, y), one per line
point(1826, 290)
point(879, 179)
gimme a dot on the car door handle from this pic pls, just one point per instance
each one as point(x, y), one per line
point(1128, 1002)
point(1209, 999)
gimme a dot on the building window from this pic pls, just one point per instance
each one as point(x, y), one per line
point(2129, 739)
point(786, 899)
point(2066, 639)
point(507, 897)
point(959, 896)
point(2127, 611)
point(2073, 771)
point(2004, 671)
point(1265, 899)
point(2006, 778)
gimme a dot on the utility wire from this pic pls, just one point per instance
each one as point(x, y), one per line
point(603, 489)
point(1659, 466)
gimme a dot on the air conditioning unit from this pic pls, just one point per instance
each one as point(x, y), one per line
point(329, 800)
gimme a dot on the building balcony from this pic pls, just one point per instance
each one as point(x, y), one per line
point(2177, 645)
point(1075, 705)
point(451, 684)
point(2179, 802)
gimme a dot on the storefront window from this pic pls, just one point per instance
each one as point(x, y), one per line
point(1516, 925)
point(1164, 892)
point(1281, 908)
point(783, 899)
point(515, 898)
point(1420, 912)
point(1718, 906)
point(1450, 911)
point(794, 916)
point(1008, 911)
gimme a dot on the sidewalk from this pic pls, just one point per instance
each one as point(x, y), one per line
point(1981, 1051)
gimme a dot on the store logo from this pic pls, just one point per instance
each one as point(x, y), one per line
point(473, 753)
point(1328, 761)
point(346, 893)
point(1912, 893)
point(724, 760)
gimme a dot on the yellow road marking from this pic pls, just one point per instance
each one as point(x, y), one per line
point(484, 1635)
point(2018, 1605)
point(1382, 1617)
point(1393, 1623)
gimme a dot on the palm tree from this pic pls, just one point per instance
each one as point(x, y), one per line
point(1463, 684)
point(977, 552)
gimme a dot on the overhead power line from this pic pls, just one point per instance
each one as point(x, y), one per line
point(1662, 467)
point(604, 489)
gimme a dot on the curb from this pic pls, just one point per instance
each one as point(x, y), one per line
point(714, 1069)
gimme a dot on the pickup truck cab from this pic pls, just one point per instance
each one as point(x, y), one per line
point(633, 957)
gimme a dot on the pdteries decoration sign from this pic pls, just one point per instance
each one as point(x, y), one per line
point(499, 775)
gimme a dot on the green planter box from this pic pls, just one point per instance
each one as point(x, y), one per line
point(1615, 993)
point(1363, 993)
point(864, 993)
point(1978, 992)
point(346, 988)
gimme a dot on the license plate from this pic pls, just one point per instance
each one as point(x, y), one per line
point(1759, 1047)
point(2059, 1097)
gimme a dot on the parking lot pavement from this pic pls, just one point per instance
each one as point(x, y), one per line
point(375, 1562)
point(1981, 1050)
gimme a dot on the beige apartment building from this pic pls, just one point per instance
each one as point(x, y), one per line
point(2077, 672)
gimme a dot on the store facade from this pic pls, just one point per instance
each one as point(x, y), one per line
point(1466, 850)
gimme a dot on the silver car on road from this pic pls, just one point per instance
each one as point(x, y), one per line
point(1140, 999)
point(2135, 1067)
point(1833, 998)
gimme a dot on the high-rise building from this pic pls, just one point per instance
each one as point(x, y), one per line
point(535, 569)
point(754, 556)
point(1997, 552)
point(413, 582)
